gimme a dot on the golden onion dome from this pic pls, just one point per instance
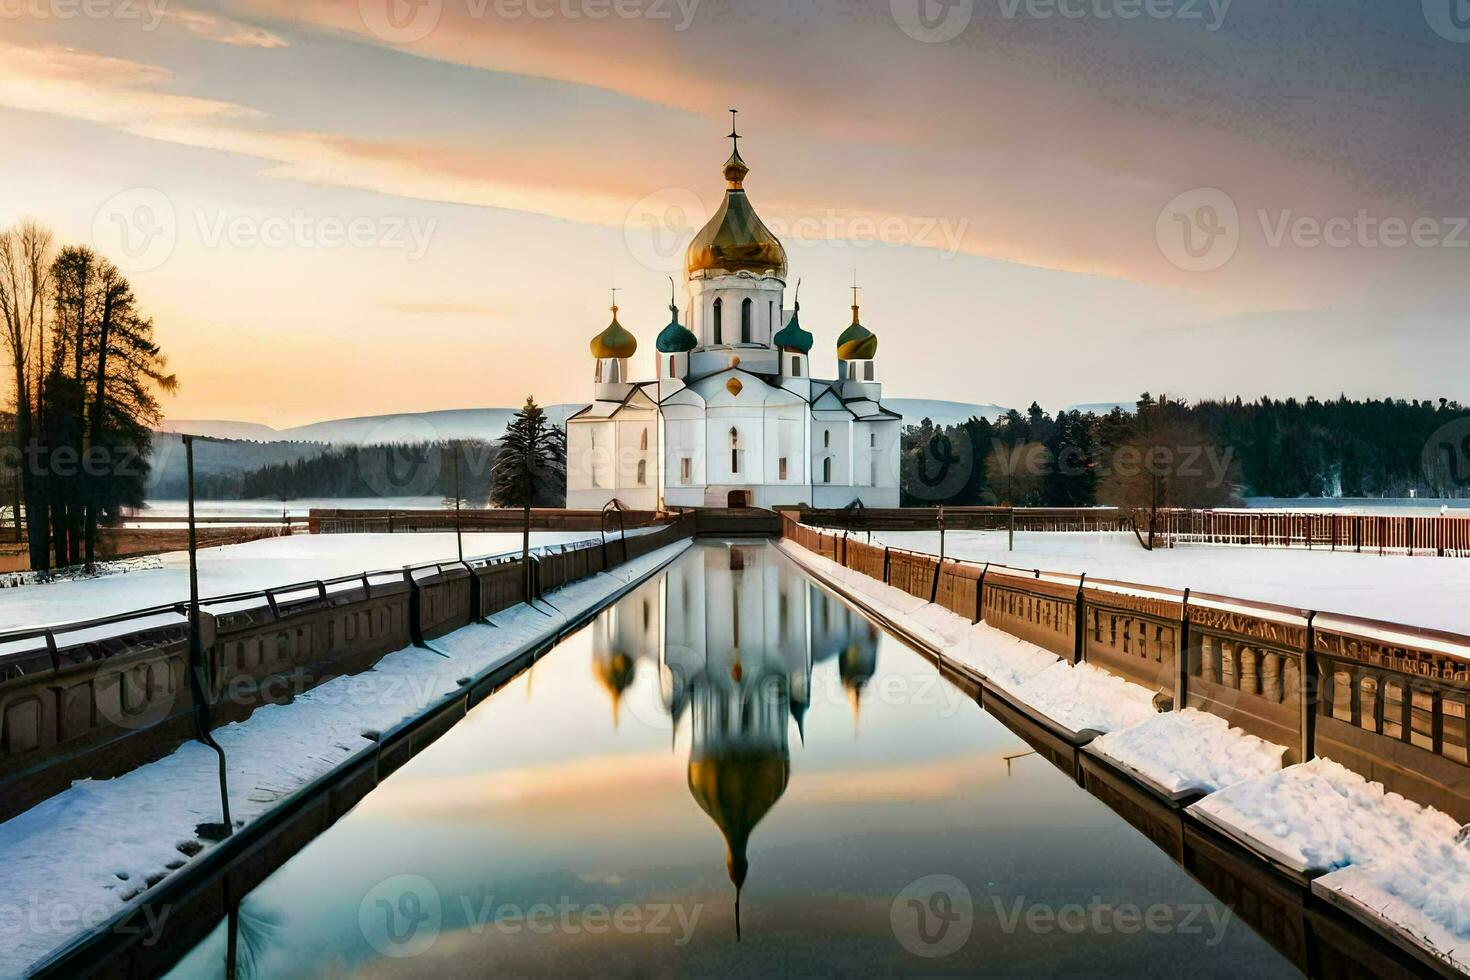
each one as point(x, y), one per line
point(616, 675)
point(735, 239)
point(615, 341)
point(737, 789)
point(857, 342)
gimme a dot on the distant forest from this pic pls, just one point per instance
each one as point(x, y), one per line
point(1278, 448)
point(402, 470)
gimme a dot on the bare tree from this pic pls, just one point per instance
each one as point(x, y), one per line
point(1165, 462)
point(1015, 473)
point(25, 269)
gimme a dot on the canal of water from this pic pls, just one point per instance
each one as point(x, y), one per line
point(731, 734)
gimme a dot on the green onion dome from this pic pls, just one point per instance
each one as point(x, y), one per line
point(675, 338)
point(792, 336)
point(615, 341)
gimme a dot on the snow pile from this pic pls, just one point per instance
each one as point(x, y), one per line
point(1389, 857)
point(1180, 751)
point(75, 859)
point(1084, 697)
point(1319, 816)
point(1424, 895)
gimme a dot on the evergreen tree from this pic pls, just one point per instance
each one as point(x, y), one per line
point(530, 469)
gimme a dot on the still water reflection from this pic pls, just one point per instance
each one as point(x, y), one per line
point(730, 772)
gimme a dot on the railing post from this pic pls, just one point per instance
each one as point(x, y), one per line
point(415, 609)
point(1079, 616)
point(1309, 692)
point(980, 595)
point(51, 649)
point(886, 565)
point(1181, 658)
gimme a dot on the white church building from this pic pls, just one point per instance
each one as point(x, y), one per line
point(734, 417)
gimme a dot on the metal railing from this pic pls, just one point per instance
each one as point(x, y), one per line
point(1389, 700)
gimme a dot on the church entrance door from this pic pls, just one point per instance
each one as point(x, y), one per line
point(739, 498)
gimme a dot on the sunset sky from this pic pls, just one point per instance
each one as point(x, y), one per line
point(351, 208)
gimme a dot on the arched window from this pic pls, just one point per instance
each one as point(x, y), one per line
point(872, 439)
point(643, 440)
point(671, 365)
point(734, 450)
point(719, 309)
point(827, 470)
point(745, 315)
point(826, 438)
point(643, 472)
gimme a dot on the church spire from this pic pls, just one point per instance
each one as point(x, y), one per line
point(735, 168)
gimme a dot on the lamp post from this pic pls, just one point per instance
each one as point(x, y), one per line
point(198, 670)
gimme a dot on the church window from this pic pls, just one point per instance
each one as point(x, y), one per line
point(643, 472)
point(872, 440)
point(643, 440)
point(868, 371)
point(684, 468)
point(826, 438)
point(671, 365)
point(745, 315)
point(734, 451)
point(719, 309)
point(795, 366)
point(781, 468)
point(771, 311)
point(827, 470)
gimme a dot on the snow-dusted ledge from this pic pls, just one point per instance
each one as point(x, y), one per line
point(1382, 857)
point(74, 861)
point(1378, 854)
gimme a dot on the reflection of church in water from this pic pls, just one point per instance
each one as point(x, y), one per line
point(735, 632)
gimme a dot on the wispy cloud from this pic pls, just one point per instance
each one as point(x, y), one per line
point(221, 29)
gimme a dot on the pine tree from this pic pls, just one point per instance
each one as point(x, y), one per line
point(530, 469)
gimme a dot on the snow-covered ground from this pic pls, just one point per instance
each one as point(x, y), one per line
point(1396, 861)
point(76, 859)
point(1419, 591)
point(274, 508)
point(141, 583)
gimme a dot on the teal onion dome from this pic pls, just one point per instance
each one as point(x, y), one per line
point(675, 338)
point(792, 336)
